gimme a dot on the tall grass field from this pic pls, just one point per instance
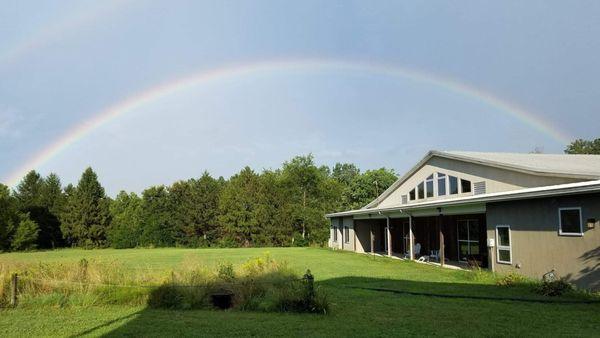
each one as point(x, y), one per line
point(144, 292)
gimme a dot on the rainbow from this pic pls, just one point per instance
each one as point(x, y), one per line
point(236, 71)
point(58, 29)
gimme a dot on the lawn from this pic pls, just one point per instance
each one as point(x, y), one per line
point(348, 279)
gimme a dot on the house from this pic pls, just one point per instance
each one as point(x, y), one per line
point(527, 213)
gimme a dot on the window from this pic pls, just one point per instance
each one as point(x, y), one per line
point(570, 223)
point(429, 185)
point(335, 234)
point(421, 190)
point(503, 248)
point(465, 186)
point(453, 185)
point(411, 195)
point(441, 184)
point(468, 239)
point(346, 235)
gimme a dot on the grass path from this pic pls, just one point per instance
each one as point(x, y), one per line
point(354, 312)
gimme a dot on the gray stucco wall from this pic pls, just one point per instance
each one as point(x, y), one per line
point(343, 242)
point(536, 244)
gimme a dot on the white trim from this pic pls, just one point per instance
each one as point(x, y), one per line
point(503, 247)
point(527, 193)
point(573, 234)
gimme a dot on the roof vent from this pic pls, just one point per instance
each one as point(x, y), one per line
point(479, 188)
point(404, 199)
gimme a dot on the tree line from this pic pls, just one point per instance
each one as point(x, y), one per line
point(282, 207)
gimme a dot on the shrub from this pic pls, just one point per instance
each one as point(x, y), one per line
point(555, 287)
point(511, 279)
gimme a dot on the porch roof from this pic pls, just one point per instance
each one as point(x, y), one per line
point(547, 191)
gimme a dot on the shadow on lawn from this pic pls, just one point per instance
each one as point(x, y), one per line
point(359, 298)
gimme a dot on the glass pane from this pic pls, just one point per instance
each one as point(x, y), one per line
point(474, 230)
point(503, 238)
point(421, 189)
point(465, 185)
point(570, 221)
point(504, 255)
point(430, 177)
point(441, 186)
point(474, 246)
point(440, 175)
point(411, 194)
point(453, 185)
point(463, 229)
point(463, 247)
point(429, 188)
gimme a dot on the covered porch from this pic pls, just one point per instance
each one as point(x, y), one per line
point(458, 240)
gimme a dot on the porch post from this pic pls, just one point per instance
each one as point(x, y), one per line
point(441, 253)
point(411, 237)
point(372, 238)
point(389, 237)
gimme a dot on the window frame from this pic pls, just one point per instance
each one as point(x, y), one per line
point(570, 234)
point(442, 177)
point(503, 247)
point(460, 185)
point(346, 234)
point(450, 193)
point(335, 234)
point(430, 180)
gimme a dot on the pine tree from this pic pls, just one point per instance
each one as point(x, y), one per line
point(126, 221)
point(26, 234)
point(87, 216)
point(237, 207)
point(9, 217)
point(157, 228)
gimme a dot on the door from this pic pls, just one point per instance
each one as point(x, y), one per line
point(468, 240)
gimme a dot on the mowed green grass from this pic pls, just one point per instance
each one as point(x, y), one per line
point(355, 311)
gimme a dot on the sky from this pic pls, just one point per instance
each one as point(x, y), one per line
point(151, 92)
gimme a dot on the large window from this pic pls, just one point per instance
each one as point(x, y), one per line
point(346, 235)
point(453, 185)
point(569, 222)
point(335, 230)
point(503, 244)
point(441, 184)
point(429, 185)
point(421, 190)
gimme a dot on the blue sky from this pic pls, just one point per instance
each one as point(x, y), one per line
point(63, 62)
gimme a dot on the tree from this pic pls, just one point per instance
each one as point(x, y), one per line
point(26, 235)
point(311, 194)
point(369, 185)
point(42, 199)
point(9, 217)
point(345, 173)
point(237, 207)
point(87, 215)
point(157, 226)
point(126, 221)
point(581, 146)
point(195, 209)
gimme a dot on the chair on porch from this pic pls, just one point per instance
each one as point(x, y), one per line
point(416, 251)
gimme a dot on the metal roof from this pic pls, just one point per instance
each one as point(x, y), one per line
point(528, 193)
point(584, 167)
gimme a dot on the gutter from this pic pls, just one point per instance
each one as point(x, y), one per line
point(540, 192)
